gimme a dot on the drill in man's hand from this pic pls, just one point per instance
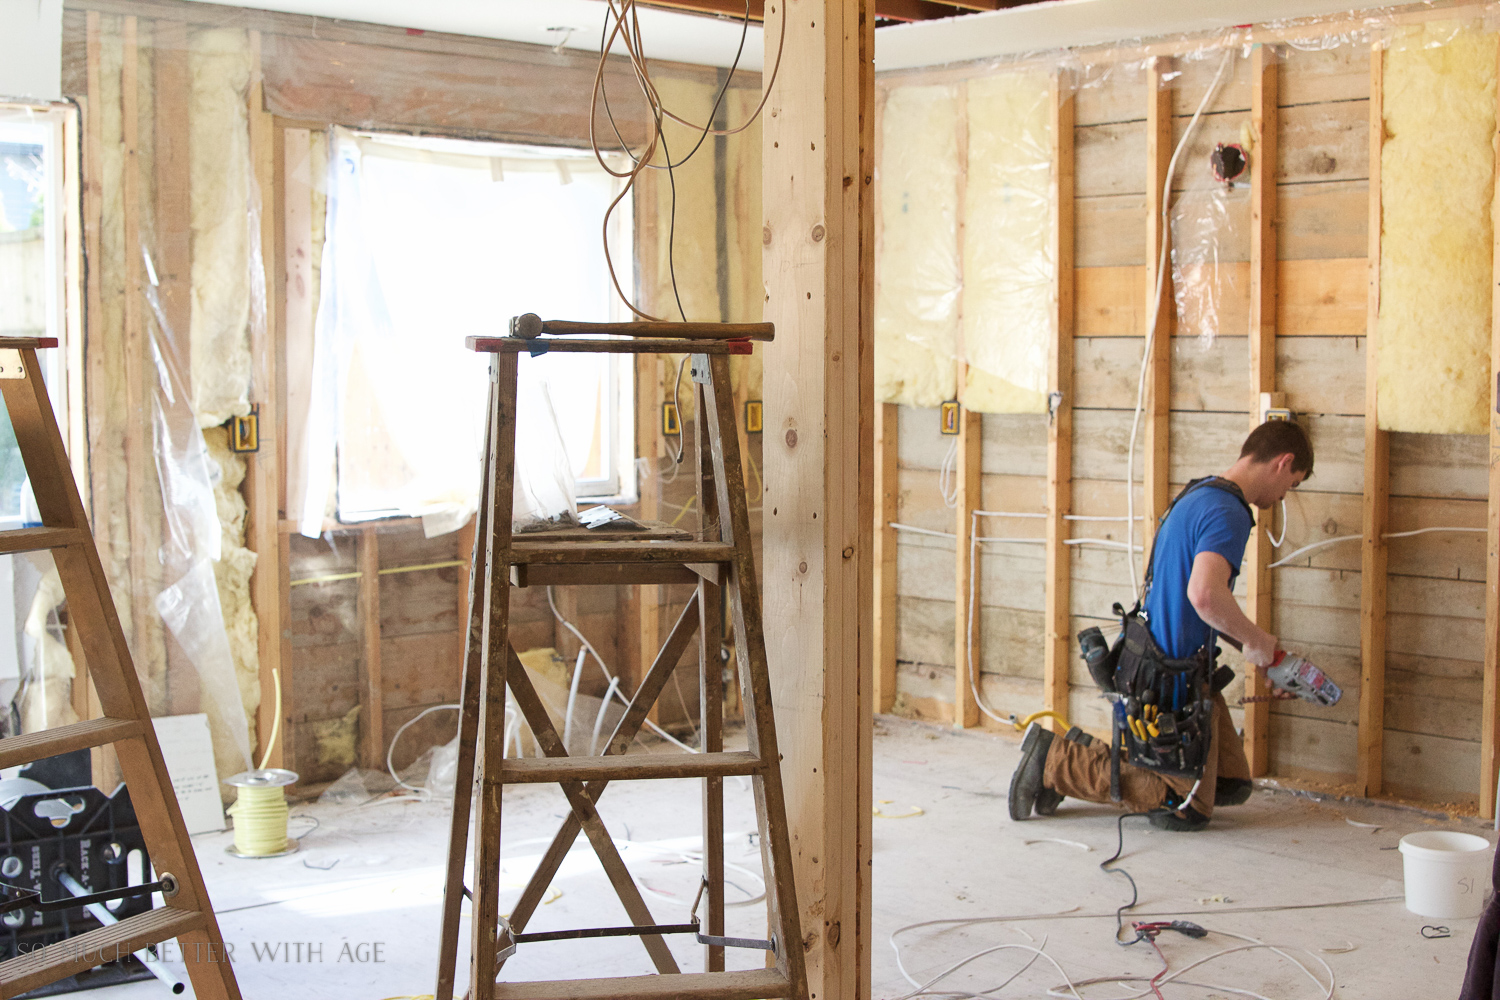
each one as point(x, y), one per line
point(1293, 674)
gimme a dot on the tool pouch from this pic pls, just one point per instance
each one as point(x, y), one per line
point(1164, 708)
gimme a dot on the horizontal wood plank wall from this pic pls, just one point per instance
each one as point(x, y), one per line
point(1436, 582)
point(367, 76)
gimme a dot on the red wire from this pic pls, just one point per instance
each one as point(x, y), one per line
point(1164, 967)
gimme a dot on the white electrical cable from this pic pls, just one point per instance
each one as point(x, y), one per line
point(1356, 538)
point(969, 645)
point(390, 753)
point(1072, 987)
point(1276, 542)
point(913, 529)
point(614, 689)
point(1103, 543)
point(1161, 267)
point(1096, 517)
point(947, 484)
point(573, 697)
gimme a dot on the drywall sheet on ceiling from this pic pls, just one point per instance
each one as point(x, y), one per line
point(916, 268)
point(1436, 188)
point(1009, 292)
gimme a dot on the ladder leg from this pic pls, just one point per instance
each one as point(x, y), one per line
point(468, 729)
point(535, 714)
point(619, 742)
point(710, 700)
point(495, 657)
point(109, 664)
point(750, 646)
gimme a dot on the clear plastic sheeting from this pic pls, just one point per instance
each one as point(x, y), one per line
point(45, 700)
point(546, 494)
point(192, 543)
point(430, 242)
point(1009, 293)
point(1437, 187)
point(916, 266)
point(1203, 278)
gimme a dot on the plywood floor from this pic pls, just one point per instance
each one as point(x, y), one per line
point(945, 849)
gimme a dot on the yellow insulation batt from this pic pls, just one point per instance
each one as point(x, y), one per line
point(1009, 294)
point(1436, 188)
point(233, 571)
point(916, 265)
point(219, 158)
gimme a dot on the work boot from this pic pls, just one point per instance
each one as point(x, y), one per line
point(1026, 786)
point(1184, 819)
point(1233, 791)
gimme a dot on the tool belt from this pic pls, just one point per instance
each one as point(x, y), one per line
point(1163, 707)
point(1163, 710)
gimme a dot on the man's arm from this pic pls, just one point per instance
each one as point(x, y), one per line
point(1208, 591)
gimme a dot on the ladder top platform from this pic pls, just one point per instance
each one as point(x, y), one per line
point(19, 343)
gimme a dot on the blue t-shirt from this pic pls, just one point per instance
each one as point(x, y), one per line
point(1208, 519)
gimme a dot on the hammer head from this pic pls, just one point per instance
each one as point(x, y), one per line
point(527, 326)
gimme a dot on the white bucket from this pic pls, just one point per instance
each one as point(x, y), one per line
point(1445, 873)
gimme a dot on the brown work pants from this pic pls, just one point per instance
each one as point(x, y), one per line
point(1082, 772)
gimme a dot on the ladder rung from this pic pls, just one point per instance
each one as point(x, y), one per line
point(28, 747)
point(49, 964)
point(623, 767)
point(36, 539)
point(621, 552)
point(754, 984)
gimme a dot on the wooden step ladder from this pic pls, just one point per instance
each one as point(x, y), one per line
point(723, 561)
point(186, 914)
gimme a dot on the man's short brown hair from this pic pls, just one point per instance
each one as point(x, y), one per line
point(1275, 438)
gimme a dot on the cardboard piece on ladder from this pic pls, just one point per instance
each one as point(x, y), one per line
point(186, 913)
point(724, 563)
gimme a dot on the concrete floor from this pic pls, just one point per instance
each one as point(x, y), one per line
point(371, 876)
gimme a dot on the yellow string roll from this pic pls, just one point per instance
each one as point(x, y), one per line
point(260, 817)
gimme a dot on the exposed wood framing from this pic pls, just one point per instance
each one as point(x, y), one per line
point(93, 211)
point(140, 464)
point(967, 475)
point(1489, 740)
point(1372, 590)
point(819, 278)
point(887, 489)
point(74, 270)
point(1156, 487)
point(1263, 129)
point(295, 313)
point(371, 685)
point(263, 479)
point(173, 183)
point(1056, 650)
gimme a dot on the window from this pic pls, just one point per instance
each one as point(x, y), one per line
point(33, 278)
point(430, 241)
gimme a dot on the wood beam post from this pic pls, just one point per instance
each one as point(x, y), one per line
point(967, 639)
point(818, 258)
point(1372, 589)
point(1056, 652)
point(1264, 79)
point(1489, 744)
point(1155, 470)
point(371, 682)
point(264, 480)
point(140, 462)
point(887, 468)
